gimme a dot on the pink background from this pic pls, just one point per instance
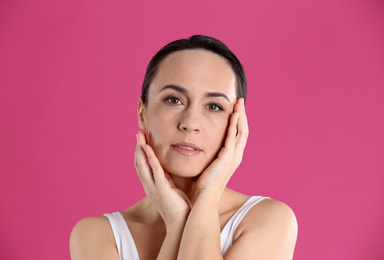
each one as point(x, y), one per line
point(71, 73)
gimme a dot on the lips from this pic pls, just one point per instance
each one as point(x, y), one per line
point(186, 149)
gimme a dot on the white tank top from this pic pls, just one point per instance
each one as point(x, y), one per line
point(126, 245)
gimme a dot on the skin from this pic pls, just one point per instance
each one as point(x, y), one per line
point(192, 99)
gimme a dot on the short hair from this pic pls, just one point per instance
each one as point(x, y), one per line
point(195, 42)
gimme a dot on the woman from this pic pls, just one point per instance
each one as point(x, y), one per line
point(192, 110)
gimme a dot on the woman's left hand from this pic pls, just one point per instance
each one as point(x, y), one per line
point(217, 174)
point(171, 203)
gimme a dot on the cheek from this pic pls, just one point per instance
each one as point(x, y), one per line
point(217, 131)
point(158, 126)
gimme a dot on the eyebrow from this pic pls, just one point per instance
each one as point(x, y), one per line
point(185, 91)
point(177, 88)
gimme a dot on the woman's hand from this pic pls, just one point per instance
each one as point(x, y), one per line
point(172, 204)
point(217, 174)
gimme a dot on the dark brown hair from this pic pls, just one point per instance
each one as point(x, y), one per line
point(196, 42)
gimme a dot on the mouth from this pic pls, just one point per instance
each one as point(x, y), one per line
point(187, 146)
point(186, 149)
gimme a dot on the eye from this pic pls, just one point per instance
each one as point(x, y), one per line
point(214, 107)
point(173, 100)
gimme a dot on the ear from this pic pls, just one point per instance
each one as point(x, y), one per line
point(140, 112)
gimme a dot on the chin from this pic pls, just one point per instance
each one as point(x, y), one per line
point(184, 170)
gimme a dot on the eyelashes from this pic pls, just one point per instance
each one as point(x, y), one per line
point(173, 100)
point(177, 101)
point(214, 107)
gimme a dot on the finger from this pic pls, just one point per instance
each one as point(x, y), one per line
point(232, 128)
point(157, 170)
point(142, 167)
point(232, 131)
point(230, 140)
point(242, 129)
point(243, 121)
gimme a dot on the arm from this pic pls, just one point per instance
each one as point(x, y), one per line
point(201, 237)
point(171, 243)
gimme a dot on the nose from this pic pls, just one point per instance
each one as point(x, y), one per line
point(190, 121)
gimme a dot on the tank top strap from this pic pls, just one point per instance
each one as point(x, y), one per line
point(124, 241)
point(229, 229)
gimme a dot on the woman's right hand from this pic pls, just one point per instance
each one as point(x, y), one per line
point(172, 204)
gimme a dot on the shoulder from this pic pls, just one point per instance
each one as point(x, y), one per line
point(92, 238)
point(270, 215)
point(269, 211)
point(273, 225)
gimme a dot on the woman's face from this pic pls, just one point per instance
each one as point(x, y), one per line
point(187, 114)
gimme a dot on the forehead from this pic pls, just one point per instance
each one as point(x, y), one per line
point(198, 71)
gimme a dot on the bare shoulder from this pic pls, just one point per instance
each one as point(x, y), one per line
point(92, 238)
point(269, 212)
point(268, 231)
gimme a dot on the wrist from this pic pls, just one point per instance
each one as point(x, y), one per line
point(176, 225)
point(208, 197)
point(174, 233)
